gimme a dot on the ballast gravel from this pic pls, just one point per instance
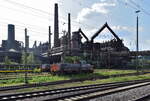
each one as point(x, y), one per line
point(128, 95)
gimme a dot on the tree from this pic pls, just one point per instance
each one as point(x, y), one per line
point(76, 59)
point(72, 59)
point(23, 58)
point(37, 61)
point(68, 59)
point(30, 59)
point(7, 61)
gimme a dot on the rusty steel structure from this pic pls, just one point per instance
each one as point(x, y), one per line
point(108, 53)
point(103, 54)
point(70, 44)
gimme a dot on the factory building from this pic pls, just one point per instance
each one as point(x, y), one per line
point(98, 53)
point(14, 48)
point(11, 44)
point(70, 44)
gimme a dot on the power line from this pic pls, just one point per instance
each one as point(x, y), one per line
point(137, 6)
point(127, 4)
point(18, 10)
point(21, 24)
point(32, 14)
point(25, 6)
point(81, 4)
point(29, 7)
point(25, 25)
point(22, 28)
point(39, 10)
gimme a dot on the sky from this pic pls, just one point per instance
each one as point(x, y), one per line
point(89, 15)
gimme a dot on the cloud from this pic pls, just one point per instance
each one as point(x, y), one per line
point(95, 8)
point(106, 34)
point(126, 28)
point(102, 0)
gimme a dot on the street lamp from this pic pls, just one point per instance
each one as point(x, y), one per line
point(137, 39)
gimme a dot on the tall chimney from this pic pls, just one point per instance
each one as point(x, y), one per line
point(11, 36)
point(69, 31)
point(50, 37)
point(26, 40)
point(25, 37)
point(56, 27)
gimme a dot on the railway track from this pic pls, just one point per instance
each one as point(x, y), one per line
point(94, 93)
point(66, 81)
point(77, 93)
point(143, 98)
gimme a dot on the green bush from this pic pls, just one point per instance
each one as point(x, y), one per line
point(72, 59)
point(37, 70)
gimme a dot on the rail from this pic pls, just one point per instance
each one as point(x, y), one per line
point(67, 92)
point(5, 88)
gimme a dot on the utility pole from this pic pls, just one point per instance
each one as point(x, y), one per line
point(137, 40)
point(25, 63)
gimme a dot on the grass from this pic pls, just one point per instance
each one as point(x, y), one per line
point(113, 79)
point(112, 71)
point(48, 79)
point(15, 71)
point(38, 78)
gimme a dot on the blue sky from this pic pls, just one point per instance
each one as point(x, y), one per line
point(90, 15)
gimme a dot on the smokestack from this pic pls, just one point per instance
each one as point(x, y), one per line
point(25, 37)
point(69, 31)
point(56, 27)
point(26, 40)
point(35, 44)
point(11, 36)
point(50, 37)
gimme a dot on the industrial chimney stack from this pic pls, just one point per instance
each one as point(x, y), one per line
point(11, 37)
point(69, 31)
point(26, 40)
point(56, 27)
point(49, 37)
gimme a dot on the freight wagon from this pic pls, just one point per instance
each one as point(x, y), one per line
point(68, 68)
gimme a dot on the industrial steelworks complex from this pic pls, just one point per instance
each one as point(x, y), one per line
point(112, 52)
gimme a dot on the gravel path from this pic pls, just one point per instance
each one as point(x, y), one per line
point(128, 95)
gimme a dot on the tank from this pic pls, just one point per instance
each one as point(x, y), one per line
point(45, 67)
point(68, 68)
